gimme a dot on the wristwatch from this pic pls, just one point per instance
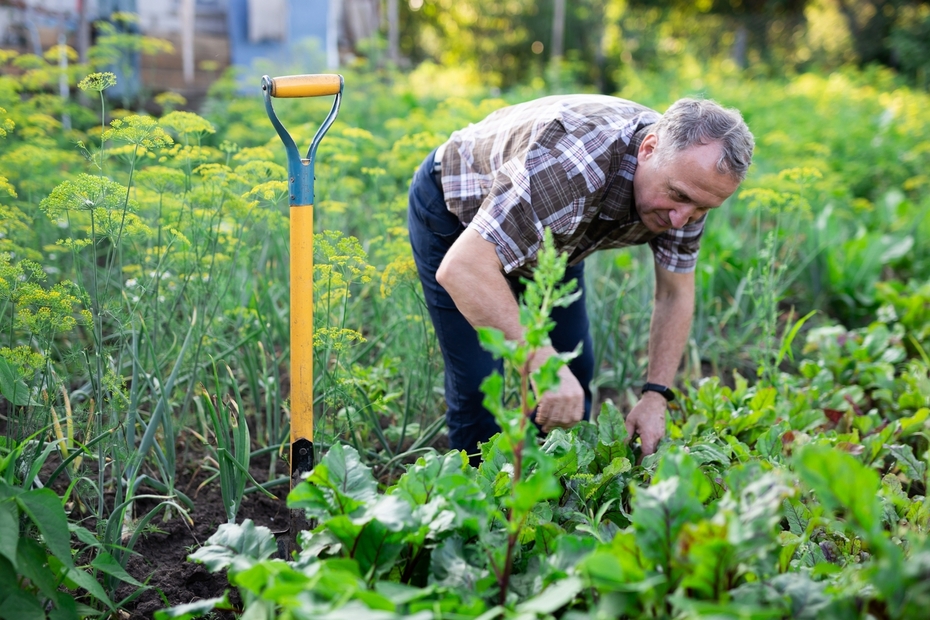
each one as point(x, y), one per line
point(665, 391)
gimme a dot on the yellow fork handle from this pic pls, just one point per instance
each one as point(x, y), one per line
point(314, 85)
point(301, 324)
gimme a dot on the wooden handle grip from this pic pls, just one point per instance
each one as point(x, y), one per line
point(315, 85)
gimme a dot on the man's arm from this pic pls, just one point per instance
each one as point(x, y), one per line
point(668, 335)
point(472, 274)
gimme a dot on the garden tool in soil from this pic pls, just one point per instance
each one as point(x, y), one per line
point(300, 186)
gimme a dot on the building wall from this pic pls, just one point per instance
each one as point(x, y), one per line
point(304, 47)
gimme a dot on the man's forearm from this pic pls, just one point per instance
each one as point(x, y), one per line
point(471, 274)
point(670, 325)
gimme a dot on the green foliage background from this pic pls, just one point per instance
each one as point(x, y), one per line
point(144, 256)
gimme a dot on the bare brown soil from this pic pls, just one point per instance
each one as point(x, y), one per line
point(161, 560)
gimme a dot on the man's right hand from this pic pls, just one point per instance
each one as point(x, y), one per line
point(563, 406)
point(471, 273)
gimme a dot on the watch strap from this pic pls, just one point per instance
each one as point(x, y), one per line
point(664, 390)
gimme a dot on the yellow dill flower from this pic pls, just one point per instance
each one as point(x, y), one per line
point(187, 124)
point(98, 81)
point(139, 131)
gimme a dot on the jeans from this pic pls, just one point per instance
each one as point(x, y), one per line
point(433, 230)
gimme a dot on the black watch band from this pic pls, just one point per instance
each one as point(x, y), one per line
point(664, 390)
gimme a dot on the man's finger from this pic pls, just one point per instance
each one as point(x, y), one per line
point(630, 429)
point(649, 445)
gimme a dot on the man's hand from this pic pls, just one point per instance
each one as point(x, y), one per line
point(647, 419)
point(562, 407)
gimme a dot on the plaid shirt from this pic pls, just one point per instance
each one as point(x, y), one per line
point(563, 162)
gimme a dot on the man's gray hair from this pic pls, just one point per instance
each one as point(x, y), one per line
point(693, 122)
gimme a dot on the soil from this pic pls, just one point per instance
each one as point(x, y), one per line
point(161, 560)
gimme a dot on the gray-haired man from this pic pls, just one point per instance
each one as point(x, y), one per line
point(600, 172)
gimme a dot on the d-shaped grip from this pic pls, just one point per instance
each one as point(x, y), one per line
point(313, 85)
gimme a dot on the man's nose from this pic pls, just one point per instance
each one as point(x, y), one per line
point(681, 216)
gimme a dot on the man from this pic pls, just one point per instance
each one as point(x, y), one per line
point(601, 172)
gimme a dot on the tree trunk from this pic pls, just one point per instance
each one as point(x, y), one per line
point(393, 31)
point(558, 29)
point(740, 44)
point(187, 40)
point(869, 38)
point(333, 18)
point(83, 31)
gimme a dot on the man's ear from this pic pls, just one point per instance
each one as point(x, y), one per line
point(647, 147)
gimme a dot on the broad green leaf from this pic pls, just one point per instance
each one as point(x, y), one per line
point(611, 435)
point(378, 549)
point(610, 425)
point(539, 487)
point(763, 399)
point(311, 498)
point(618, 566)
point(493, 473)
point(691, 608)
point(758, 512)
point(347, 474)
point(12, 386)
point(546, 376)
point(570, 549)
point(708, 555)
point(808, 598)
point(559, 446)
point(9, 530)
point(258, 610)
point(706, 452)
point(843, 484)
point(85, 536)
point(915, 422)
point(44, 509)
point(106, 563)
point(553, 598)
point(915, 469)
point(273, 579)
point(681, 464)
point(236, 546)
point(792, 595)
point(430, 474)
point(448, 566)
point(66, 608)
point(661, 510)
point(769, 443)
point(592, 486)
point(32, 563)
point(18, 605)
point(492, 340)
point(343, 485)
point(8, 578)
point(713, 400)
point(493, 389)
point(798, 516)
point(193, 610)
point(87, 581)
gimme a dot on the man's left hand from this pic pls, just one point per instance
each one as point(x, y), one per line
point(647, 419)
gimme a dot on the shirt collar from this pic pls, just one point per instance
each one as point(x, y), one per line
point(632, 151)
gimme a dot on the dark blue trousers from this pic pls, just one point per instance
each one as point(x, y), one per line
point(433, 230)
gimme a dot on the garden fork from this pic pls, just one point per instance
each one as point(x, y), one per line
point(300, 189)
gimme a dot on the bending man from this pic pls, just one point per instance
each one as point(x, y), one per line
point(601, 172)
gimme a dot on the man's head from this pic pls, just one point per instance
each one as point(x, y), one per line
point(693, 122)
point(694, 158)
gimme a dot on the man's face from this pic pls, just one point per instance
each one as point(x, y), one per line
point(680, 190)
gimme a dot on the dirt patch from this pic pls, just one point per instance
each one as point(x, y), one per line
point(161, 556)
